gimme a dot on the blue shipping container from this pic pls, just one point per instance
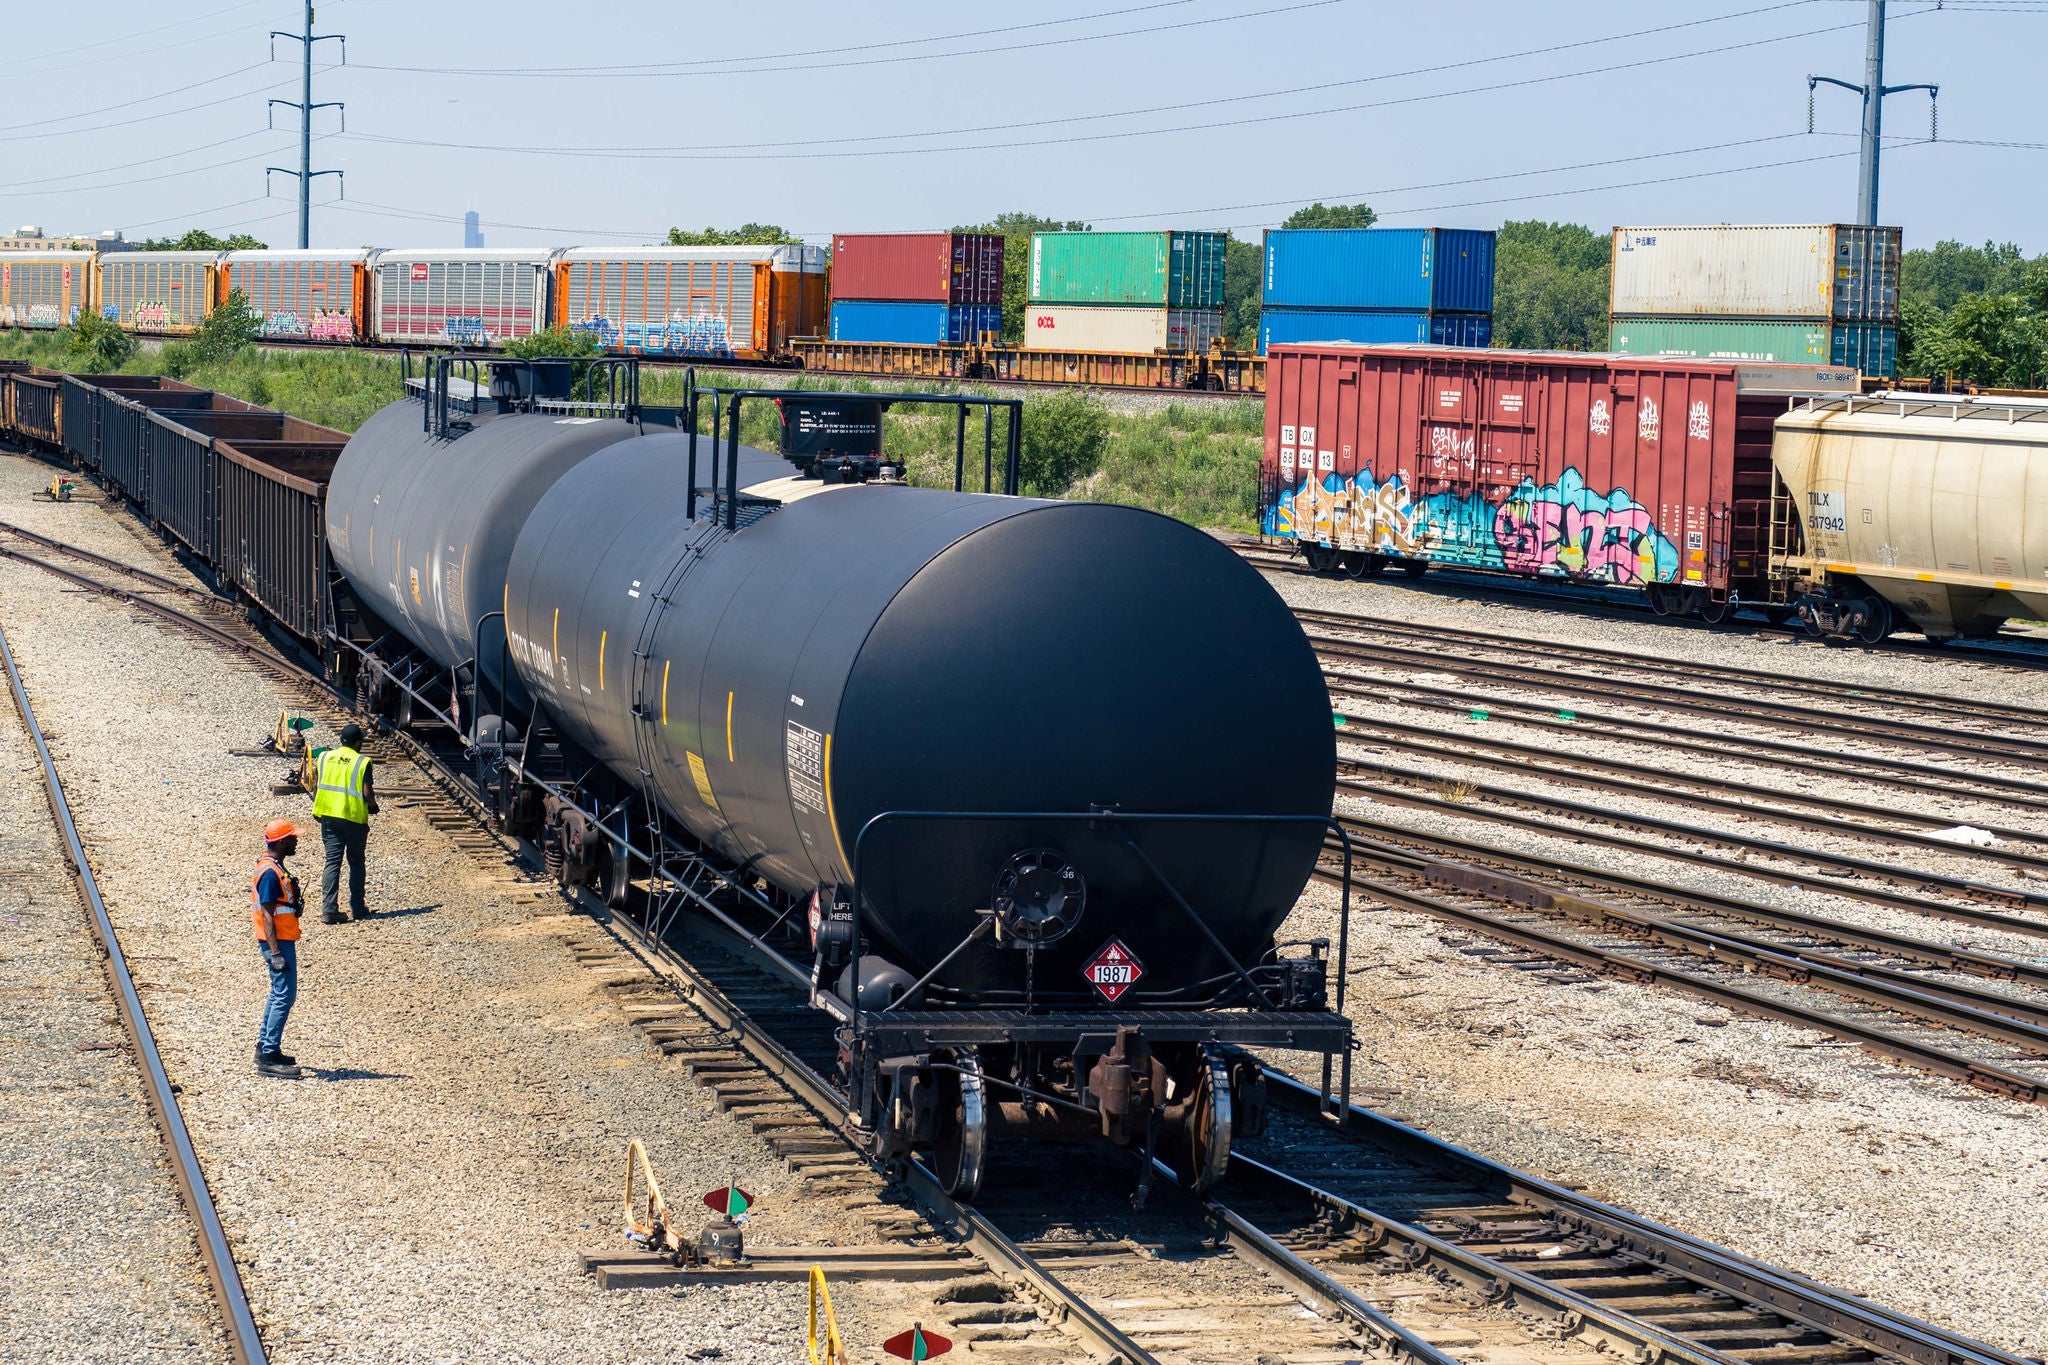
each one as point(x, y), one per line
point(1283, 325)
point(914, 324)
point(1873, 350)
point(1415, 269)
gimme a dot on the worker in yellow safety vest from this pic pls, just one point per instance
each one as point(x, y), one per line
point(343, 802)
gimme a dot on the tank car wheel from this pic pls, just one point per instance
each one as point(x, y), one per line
point(1877, 621)
point(960, 1127)
point(1207, 1153)
point(612, 875)
point(1414, 568)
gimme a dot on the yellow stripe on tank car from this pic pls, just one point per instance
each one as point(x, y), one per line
point(602, 636)
point(728, 729)
point(664, 690)
point(832, 816)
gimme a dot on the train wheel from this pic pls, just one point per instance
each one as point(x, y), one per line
point(1877, 621)
point(1414, 568)
point(960, 1127)
point(1716, 612)
point(613, 875)
point(1318, 557)
point(1207, 1154)
point(1356, 564)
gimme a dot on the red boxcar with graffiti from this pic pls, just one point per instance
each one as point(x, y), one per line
point(1633, 471)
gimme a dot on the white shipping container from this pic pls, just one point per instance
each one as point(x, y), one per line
point(1091, 327)
point(1821, 271)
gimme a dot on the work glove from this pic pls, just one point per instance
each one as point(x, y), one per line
point(276, 960)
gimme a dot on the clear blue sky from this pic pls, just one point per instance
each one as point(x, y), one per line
point(150, 117)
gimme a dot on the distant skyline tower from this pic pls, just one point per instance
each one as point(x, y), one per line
point(472, 229)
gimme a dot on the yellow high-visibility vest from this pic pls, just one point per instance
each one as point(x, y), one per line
point(340, 789)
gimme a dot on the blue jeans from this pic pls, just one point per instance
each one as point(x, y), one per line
point(284, 988)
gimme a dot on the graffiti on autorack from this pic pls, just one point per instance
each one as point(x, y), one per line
point(1563, 529)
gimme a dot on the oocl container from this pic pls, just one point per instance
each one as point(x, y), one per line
point(1410, 269)
point(1827, 271)
point(931, 267)
point(914, 324)
point(1075, 327)
point(1167, 269)
point(1278, 326)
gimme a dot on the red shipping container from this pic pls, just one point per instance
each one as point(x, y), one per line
point(918, 267)
point(1614, 469)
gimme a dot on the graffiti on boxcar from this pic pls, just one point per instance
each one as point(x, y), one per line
point(154, 313)
point(1566, 528)
point(1562, 528)
point(678, 334)
point(285, 323)
point(332, 324)
point(35, 315)
point(465, 330)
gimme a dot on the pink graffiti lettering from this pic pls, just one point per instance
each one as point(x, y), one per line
point(1615, 546)
point(332, 326)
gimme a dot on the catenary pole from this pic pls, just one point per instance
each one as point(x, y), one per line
point(1873, 90)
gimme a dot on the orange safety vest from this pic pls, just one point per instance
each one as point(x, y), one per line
point(287, 913)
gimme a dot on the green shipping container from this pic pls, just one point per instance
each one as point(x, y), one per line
point(1801, 343)
point(1169, 269)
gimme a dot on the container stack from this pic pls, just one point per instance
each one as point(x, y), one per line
point(1125, 291)
point(1820, 294)
point(1377, 285)
point(917, 288)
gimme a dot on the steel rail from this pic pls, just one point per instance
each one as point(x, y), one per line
point(1704, 796)
point(1929, 952)
point(253, 651)
point(1901, 774)
point(104, 562)
point(1698, 833)
point(1987, 919)
point(1829, 690)
point(1608, 962)
point(1689, 701)
point(1782, 1291)
point(244, 1342)
point(1455, 743)
point(1968, 1009)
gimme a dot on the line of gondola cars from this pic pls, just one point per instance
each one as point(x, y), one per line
point(857, 717)
point(1705, 484)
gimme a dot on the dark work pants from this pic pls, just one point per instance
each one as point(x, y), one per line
point(342, 837)
point(284, 989)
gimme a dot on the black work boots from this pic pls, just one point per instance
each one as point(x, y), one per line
point(277, 1064)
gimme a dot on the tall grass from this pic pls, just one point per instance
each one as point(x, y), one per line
point(1197, 461)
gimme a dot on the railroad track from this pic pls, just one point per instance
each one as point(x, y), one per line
point(244, 1343)
point(2021, 652)
point(1339, 1217)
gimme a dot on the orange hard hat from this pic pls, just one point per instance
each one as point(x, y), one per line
point(279, 829)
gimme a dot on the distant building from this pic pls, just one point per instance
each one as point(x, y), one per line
point(35, 239)
point(472, 229)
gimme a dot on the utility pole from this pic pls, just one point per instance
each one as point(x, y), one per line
point(304, 104)
point(1873, 90)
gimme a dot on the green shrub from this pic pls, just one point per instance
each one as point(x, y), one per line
point(1064, 436)
point(94, 345)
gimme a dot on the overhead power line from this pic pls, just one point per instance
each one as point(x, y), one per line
point(127, 37)
point(618, 72)
point(1125, 135)
point(139, 99)
point(148, 118)
point(1016, 125)
point(613, 69)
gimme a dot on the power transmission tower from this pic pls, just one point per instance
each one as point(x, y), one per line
point(1873, 90)
point(304, 104)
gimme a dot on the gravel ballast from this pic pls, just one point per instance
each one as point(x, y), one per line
point(461, 1131)
point(1780, 1142)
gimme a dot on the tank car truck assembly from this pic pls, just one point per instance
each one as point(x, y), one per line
point(1018, 791)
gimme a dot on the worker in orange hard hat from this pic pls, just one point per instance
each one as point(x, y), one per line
point(274, 905)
